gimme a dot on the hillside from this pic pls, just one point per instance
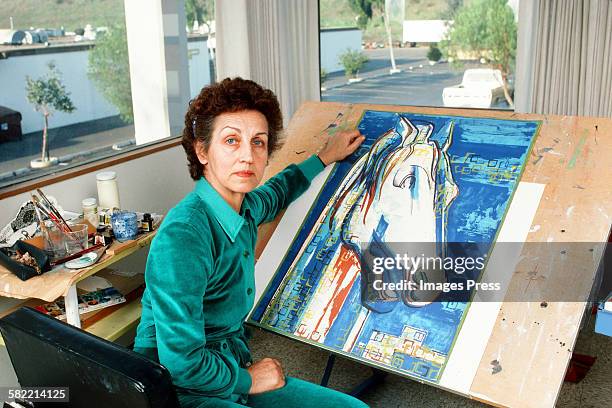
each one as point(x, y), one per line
point(70, 14)
point(338, 13)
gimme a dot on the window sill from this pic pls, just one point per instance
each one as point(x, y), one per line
point(72, 172)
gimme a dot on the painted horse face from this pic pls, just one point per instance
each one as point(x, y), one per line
point(399, 191)
point(403, 195)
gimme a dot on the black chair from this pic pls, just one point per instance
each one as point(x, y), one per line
point(46, 352)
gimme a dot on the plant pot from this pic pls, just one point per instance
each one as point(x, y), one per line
point(353, 80)
point(41, 164)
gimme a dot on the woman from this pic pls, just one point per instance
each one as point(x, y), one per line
point(200, 270)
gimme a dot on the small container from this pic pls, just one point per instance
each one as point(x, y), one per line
point(109, 215)
point(125, 225)
point(23, 271)
point(90, 210)
point(59, 244)
point(147, 223)
point(103, 236)
point(108, 190)
point(102, 217)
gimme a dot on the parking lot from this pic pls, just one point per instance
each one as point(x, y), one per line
point(418, 84)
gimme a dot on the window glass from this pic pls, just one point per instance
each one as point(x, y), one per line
point(452, 53)
point(64, 66)
point(201, 44)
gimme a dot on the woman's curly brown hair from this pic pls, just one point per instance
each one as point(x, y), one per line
point(229, 95)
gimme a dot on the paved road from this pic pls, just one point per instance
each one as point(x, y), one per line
point(418, 84)
point(421, 87)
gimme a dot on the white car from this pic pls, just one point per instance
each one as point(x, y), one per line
point(480, 88)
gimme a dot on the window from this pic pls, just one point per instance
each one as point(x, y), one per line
point(201, 44)
point(435, 59)
point(76, 56)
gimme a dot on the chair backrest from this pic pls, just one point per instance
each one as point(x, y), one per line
point(46, 352)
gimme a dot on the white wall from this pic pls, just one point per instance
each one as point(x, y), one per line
point(89, 103)
point(153, 183)
point(335, 42)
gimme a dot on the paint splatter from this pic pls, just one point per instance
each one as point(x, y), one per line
point(577, 152)
point(534, 228)
point(540, 154)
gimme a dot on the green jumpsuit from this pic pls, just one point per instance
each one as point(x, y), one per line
point(200, 286)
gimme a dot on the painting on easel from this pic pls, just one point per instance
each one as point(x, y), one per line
point(416, 178)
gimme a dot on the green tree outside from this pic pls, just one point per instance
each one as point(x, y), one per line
point(109, 69)
point(486, 28)
point(201, 10)
point(367, 10)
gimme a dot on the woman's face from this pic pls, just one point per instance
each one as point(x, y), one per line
point(238, 152)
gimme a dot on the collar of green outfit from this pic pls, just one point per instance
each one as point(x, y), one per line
point(228, 218)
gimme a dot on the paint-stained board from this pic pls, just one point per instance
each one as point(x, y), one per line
point(562, 154)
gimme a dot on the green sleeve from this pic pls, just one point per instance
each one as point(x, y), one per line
point(176, 278)
point(279, 191)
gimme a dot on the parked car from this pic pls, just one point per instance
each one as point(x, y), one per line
point(480, 88)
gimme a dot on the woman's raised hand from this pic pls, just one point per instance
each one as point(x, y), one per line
point(340, 145)
point(266, 375)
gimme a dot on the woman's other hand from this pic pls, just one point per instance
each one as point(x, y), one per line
point(340, 145)
point(266, 375)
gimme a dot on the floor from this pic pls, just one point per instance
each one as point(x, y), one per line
point(307, 362)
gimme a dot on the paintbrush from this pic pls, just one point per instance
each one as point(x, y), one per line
point(41, 224)
point(49, 214)
point(55, 220)
point(53, 209)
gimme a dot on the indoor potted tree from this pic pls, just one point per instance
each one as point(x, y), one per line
point(48, 94)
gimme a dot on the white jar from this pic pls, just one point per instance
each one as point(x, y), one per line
point(90, 210)
point(108, 190)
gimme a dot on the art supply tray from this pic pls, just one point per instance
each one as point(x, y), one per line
point(22, 271)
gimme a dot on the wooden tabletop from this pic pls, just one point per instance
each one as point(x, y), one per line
point(531, 342)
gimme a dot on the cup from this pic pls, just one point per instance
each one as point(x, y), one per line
point(125, 225)
point(59, 244)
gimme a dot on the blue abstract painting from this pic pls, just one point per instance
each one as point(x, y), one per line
point(416, 178)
